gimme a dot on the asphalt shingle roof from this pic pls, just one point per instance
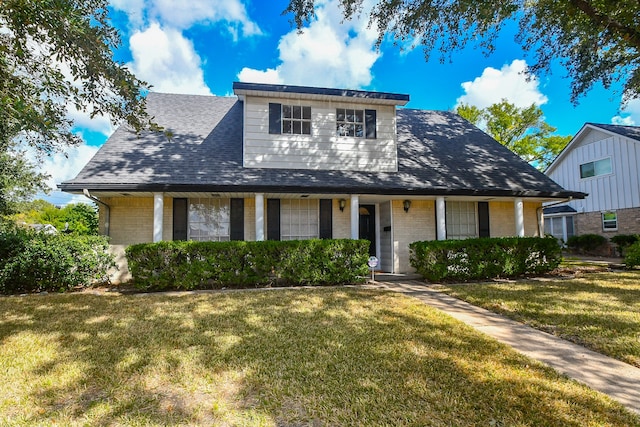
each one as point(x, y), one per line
point(632, 132)
point(438, 153)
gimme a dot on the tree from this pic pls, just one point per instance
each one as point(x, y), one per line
point(75, 218)
point(522, 130)
point(55, 54)
point(595, 40)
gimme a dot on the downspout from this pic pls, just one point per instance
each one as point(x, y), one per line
point(538, 216)
point(107, 213)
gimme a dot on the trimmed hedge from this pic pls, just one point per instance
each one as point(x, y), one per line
point(36, 262)
point(198, 265)
point(586, 243)
point(484, 258)
point(632, 255)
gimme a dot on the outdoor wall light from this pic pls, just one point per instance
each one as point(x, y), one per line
point(342, 203)
point(406, 205)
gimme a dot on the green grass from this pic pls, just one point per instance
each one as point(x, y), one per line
point(304, 357)
point(598, 310)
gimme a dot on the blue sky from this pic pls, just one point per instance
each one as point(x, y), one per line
point(203, 46)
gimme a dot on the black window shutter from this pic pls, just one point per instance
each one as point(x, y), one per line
point(325, 219)
point(180, 214)
point(275, 118)
point(370, 123)
point(236, 223)
point(483, 219)
point(273, 219)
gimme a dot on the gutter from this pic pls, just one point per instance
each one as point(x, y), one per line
point(107, 215)
point(539, 211)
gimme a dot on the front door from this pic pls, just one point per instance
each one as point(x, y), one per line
point(368, 226)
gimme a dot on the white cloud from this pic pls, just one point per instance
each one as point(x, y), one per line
point(185, 14)
point(330, 52)
point(630, 114)
point(269, 75)
point(61, 167)
point(82, 119)
point(167, 60)
point(510, 83)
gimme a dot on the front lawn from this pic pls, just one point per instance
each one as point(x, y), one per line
point(599, 310)
point(303, 357)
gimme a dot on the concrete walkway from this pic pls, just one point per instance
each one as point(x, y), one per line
point(619, 380)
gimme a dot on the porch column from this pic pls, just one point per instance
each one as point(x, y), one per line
point(519, 211)
point(158, 208)
point(355, 216)
point(441, 220)
point(259, 217)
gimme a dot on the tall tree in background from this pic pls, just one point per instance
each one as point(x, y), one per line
point(595, 40)
point(522, 130)
point(55, 54)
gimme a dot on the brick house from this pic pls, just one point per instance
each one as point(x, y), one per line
point(291, 162)
point(603, 161)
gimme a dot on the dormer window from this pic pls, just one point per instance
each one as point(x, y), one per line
point(289, 119)
point(356, 123)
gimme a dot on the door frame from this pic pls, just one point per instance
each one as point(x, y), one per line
point(376, 228)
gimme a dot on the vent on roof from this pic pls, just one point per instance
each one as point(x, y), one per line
point(126, 194)
point(304, 196)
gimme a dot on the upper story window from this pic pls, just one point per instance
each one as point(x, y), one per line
point(289, 119)
point(356, 123)
point(596, 168)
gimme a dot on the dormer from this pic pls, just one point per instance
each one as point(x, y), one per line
point(299, 127)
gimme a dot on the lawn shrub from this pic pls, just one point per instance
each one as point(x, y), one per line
point(484, 258)
point(587, 243)
point(623, 241)
point(36, 262)
point(632, 255)
point(197, 265)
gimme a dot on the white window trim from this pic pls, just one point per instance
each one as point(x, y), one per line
point(218, 237)
point(594, 162)
point(298, 236)
point(292, 119)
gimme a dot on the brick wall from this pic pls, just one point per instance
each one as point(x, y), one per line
point(131, 219)
point(502, 219)
point(341, 221)
point(416, 225)
point(591, 223)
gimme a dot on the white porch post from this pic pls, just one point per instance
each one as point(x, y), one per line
point(158, 208)
point(355, 216)
point(259, 217)
point(519, 211)
point(441, 226)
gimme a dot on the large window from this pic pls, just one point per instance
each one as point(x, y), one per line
point(609, 221)
point(356, 123)
point(598, 167)
point(461, 220)
point(560, 227)
point(296, 120)
point(209, 219)
point(298, 219)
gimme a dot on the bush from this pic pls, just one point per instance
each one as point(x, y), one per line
point(197, 265)
point(632, 255)
point(586, 243)
point(484, 258)
point(36, 262)
point(623, 241)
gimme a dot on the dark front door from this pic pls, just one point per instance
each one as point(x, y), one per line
point(368, 226)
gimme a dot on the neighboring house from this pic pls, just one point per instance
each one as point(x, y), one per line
point(602, 161)
point(290, 162)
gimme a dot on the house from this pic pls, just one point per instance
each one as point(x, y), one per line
point(292, 162)
point(603, 161)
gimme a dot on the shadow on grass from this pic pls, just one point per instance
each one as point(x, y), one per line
point(282, 357)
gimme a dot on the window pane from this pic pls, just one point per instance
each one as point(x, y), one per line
point(209, 219)
point(359, 116)
point(461, 220)
point(297, 112)
point(587, 170)
point(306, 113)
point(569, 226)
point(602, 167)
point(306, 128)
point(350, 116)
point(286, 111)
point(287, 126)
point(359, 131)
point(297, 127)
point(340, 114)
point(299, 219)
